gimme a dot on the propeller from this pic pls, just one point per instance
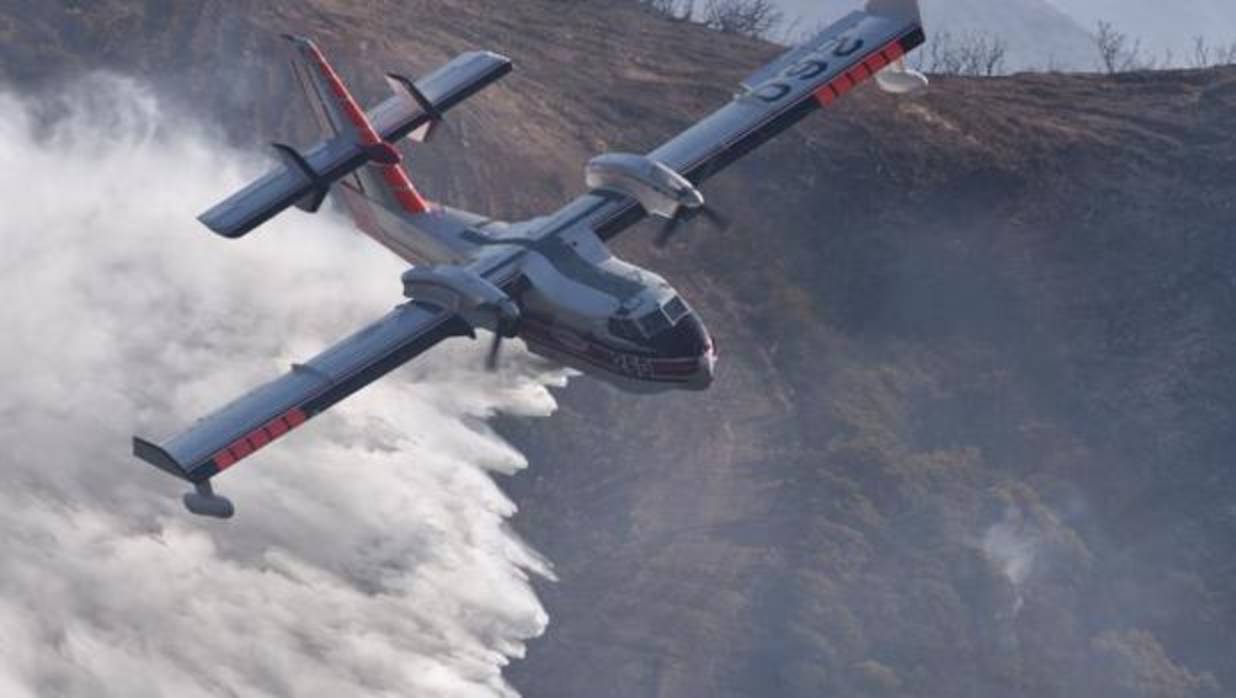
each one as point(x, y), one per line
point(685, 214)
point(477, 301)
point(699, 207)
point(495, 350)
point(506, 325)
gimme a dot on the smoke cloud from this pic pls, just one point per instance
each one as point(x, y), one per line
point(369, 555)
point(1013, 546)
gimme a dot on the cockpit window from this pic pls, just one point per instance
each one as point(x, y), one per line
point(625, 328)
point(655, 322)
point(675, 309)
point(651, 324)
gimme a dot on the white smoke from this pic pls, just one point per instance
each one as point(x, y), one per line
point(1012, 545)
point(369, 555)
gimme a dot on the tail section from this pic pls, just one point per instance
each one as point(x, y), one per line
point(379, 196)
point(356, 153)
point(403, 86)
point(384, 178)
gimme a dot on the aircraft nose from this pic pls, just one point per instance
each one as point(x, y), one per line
point(689, 341)
point(708, 370)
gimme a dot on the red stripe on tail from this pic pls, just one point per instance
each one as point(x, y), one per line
point(394, 174)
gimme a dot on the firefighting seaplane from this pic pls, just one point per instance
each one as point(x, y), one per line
point(551, 281)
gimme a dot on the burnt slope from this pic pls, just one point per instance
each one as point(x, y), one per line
point(972, 431)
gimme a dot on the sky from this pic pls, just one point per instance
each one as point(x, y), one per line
point(1159, 23)
point(1054, 31)
point(370, 554)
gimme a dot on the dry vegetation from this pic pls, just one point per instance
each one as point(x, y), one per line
point(755, 18)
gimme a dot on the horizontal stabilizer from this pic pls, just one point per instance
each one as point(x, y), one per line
point(301, 178)
point(320, 186)
point(313, 201)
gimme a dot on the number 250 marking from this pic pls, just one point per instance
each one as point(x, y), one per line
point(808, 69)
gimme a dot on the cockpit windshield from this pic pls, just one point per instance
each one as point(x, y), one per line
point(625, 328)
point(670, 330)
point(675, 309)
point(655, 323)
point(652, 323)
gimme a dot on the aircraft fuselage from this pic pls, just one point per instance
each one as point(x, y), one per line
point(596, 313)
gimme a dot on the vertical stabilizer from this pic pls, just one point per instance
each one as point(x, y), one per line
point(384, 178)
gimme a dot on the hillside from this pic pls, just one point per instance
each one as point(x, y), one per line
point(972, 431)
point(1160, 26)
point(1038, 35)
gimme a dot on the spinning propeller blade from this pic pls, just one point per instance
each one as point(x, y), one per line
point(668, 230)
point(719, 220)
point(495, 349)
point(506, 325)
point(684, 215)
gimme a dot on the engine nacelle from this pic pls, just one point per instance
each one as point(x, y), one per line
point(660, 190)
point(464, 292)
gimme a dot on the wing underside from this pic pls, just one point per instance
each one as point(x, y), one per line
point(266, 414)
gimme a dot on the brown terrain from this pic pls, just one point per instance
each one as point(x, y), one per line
point(972, 434)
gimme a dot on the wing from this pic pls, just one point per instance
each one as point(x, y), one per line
point(304, 178)
point(226, 437)
point(774, 98)
point(805, 79)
